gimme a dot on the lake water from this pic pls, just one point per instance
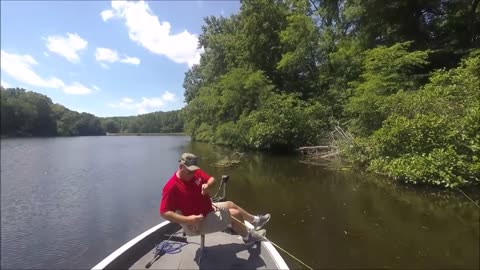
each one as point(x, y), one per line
point(69, 202)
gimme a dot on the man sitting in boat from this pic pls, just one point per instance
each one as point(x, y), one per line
point(186, 200)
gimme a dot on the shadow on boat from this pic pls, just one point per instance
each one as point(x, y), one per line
point(224, 256)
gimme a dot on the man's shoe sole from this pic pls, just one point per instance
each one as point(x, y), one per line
point(260, 227)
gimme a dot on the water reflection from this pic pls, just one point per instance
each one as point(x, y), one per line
point(341, 219)
point(69, 202)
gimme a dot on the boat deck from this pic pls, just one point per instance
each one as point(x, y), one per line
point(223, 250)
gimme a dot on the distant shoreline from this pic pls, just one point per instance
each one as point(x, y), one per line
point(107, 134)
point(147, 134)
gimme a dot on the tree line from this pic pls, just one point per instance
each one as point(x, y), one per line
point(156, 122)
point(401, 76)
point(26, 113)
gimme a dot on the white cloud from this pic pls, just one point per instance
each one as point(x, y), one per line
point(96, 87)
point(167, 96)
point(146, 29)
point(131, 60)
point(149, 104)
point(67, 46)
point(145, 105)
point(127, 100)
point(108, 55)
point(5, 85)
point(77, 89)
point(20, 67)
point(106, 15)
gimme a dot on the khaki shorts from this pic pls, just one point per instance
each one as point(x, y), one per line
point(215, 221)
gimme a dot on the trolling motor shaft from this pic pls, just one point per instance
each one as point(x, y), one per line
point(223, 184)
point(225, 179)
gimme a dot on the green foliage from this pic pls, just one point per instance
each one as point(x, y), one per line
point(432, 135)
point(25, 113)
point(387, 70)
point(66, 120)
point(280, 74)
point(250, 58)
point(298, 63)
point(236, 93)
point(261, 22)
point(87, 124)
point(112, 126)
point(344, 66)
point(285, 122)
point(204, 133)
point(230, 133)
point(439, 167)
point(450, 24)
point(243, 110)
point(191, 83)
point(156, 122)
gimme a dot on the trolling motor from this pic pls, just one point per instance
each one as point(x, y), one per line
point(223, 184)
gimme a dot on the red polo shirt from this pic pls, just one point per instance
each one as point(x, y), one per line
point(186, 196)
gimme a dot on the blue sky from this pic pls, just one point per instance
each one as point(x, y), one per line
point(107, 58)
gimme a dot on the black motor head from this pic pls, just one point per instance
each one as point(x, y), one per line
point(225, 178)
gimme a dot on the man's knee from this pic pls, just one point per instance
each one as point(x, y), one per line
point(234, 212)
point(231, 205)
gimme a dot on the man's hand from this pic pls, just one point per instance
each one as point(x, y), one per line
point(181, 219)
point(204, 189)
point(194, 219)
point(193, 222)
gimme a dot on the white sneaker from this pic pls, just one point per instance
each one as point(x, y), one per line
point(254, 236)
point(263, 219)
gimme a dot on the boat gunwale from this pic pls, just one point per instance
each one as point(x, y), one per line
point(116, 255)
point(276, 257)
point(127, 246)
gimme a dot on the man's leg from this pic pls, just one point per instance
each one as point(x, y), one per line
point(219, 219)
point(244, 214)
point(215, 221)
point(236, 226)
point(257, 221)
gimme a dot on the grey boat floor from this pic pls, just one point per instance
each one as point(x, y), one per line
point(222, 251)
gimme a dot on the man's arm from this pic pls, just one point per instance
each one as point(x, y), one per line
point(181, 219)
point(207, 188)
point(210, 182)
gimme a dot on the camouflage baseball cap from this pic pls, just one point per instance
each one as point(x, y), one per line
point(190, 161)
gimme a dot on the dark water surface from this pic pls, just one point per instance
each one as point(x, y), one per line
point(69, 202)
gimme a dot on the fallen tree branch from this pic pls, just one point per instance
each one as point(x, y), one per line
point(314, 147)
point(329, 155)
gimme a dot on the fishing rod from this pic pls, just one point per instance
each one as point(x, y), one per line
point(469, 198)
